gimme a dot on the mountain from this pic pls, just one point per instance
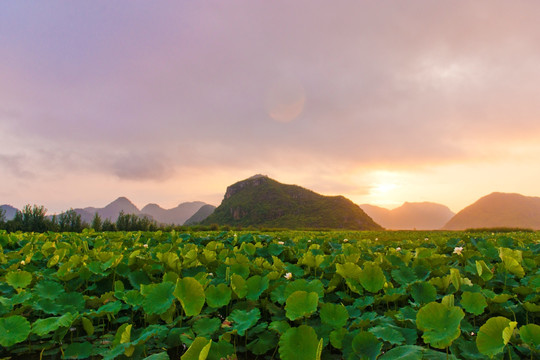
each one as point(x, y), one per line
point(411, 216)
point(264, 202)
point(204, 212)
point(9, 211)
point(111, 211)
point(499, 210)
point(177, 215)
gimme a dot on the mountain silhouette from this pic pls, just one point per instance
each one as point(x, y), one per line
point(410, 216)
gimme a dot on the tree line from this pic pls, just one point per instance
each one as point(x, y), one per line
point(34, 219)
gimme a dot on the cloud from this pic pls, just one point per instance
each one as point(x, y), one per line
point(14, 164)
point(142, 166)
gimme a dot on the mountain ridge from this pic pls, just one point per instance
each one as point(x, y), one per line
point(264, 202)
point(498, 209)
point(411, 216)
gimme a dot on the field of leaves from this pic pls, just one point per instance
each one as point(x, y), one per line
point(280, 295)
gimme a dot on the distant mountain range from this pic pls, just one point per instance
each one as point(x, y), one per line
point(498, 210)
point(263, 202)
point(410, 215)
point(177, 215)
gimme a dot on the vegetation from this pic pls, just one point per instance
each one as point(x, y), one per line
point(263, 202)
point(289, 294)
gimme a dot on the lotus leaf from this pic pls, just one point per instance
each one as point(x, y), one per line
point(302, 284)
point(198, 350)
point(13, 329)
point(440, 324)
point(423, 292)
point(483, 270)
point(112, 307)
point(88, 326)
point(159, 299)
point(300, 304)
point(44, 326)
point(191, 295)
point(334, 315)
point(336, 337)
point(348, 270)
point(279, 326)
point(387, 333)
point(405, 352)
point(404, 275)
point(530, 334)
point(474, 303)
point(159, 356)
point(372, 278)
point(263, 343)
point(71, 302)
point(490, 340)
point(218, 296)
point(78, 350)
point(366, 346)
point(48, 289)
point(239, 286)
point(19, 279)
point(299, 343)
point(206, 327)
point(243, 320)
point(256, 285)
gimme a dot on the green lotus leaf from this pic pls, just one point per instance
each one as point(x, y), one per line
point(299, 343)
point(404, 352)
point(218, 296)
point(78, 350)
point(19, 279)
point(300, 304)
point(473, 303)
point(335, 315)
point(279, 326)
point(404, 275)
point(44, 326)
point(160, 298)
point(301, 284)
point(138, 278)
point(440, 324)
point(239, 286)
point(48, 289)
point(240, 269)
point(366, 346)
point(243, 320)
point(256, 285)
point(71, 302)
point(133, 298)
point(388, 333)
point(483, 270)
point(13, 329)
point(198, 349)
point(206, 327)
point(508, 332)
point(48, 306)
point(490, 340)
point(372, 278)
point(423, 292)
point(530, 334)
point(112, 307)
point(263, 343)
point(221, 350)
point(348, 270)
point(336, 337)
point(190, 293)
point(159, 356)
point(88, 326)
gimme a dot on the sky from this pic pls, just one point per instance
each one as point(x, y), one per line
point(172, 101)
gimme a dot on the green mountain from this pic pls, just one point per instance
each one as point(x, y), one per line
point(264, 202)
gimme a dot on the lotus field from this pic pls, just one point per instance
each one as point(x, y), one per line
point(275, 295)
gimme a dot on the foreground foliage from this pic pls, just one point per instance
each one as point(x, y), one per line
point(288, 295)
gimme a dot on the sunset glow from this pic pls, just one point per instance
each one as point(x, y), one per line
point(381, 102)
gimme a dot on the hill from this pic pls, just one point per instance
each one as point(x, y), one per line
point(410, 216)
point(9, 211)
point(264, 202)
point(177, 215)
point(499, 210)
point(204, 212)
